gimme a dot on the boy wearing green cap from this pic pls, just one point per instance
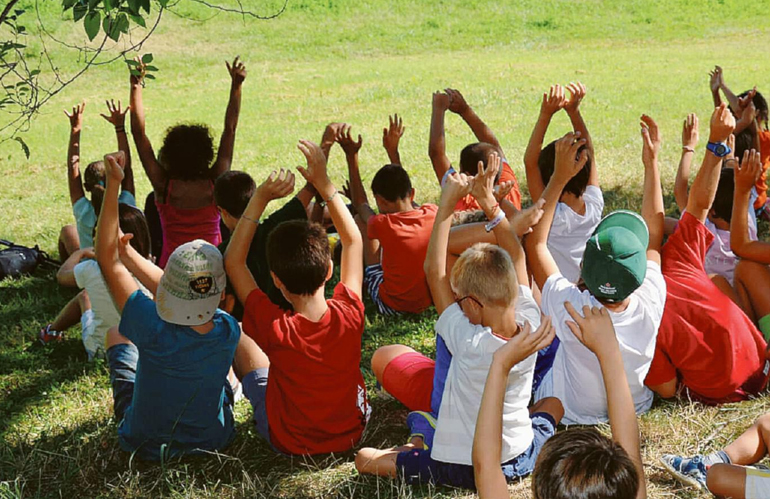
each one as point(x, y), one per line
point(620, 271)
point(707, 346)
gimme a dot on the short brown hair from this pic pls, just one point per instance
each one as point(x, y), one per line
point(94, 175)
point(485, 271)
point(298, 254)
point(577, 464)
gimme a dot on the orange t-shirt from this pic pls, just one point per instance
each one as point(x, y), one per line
point(468, 203)
point(764, 153)
point(404, 241)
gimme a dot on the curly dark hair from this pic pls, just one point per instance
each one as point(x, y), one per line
point(187, 152)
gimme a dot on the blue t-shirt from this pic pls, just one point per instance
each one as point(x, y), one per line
point(443, 361)
point(85, 217)
point(179, 390)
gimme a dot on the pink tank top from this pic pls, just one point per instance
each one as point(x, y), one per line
point(182, 226)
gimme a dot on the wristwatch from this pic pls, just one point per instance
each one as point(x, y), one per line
point(719, 149)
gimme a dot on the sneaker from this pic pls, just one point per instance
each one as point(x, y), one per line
point(47, 335)
point(690, 471)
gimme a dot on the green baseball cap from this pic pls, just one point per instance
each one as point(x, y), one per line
point(615, 259)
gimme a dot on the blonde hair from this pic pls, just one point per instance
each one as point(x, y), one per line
point(485, 271)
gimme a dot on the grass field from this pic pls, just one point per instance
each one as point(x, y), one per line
point(343, 60)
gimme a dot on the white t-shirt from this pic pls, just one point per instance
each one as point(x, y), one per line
point(720, 258)
point(570, 231)
point(88, 276)
point(576, 375)
point(472, 347)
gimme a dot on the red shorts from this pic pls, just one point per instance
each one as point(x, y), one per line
point(409, 379)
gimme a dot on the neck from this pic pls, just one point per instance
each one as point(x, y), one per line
point(618, 307)
point(403, 205)
point(720, 223)
point(502, 320)
point(203, 328)
point(312, 307)
point(576, 203)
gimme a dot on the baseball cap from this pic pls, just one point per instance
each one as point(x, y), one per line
point(192, 284)
point(615, 258)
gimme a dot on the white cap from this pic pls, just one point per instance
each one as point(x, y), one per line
point(191, 287)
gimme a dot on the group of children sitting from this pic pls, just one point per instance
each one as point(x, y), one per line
point(549, 314)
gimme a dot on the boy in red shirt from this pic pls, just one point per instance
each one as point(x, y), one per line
point(396, 240)
point(315, 401)
point(706, 344)
point(507, 186)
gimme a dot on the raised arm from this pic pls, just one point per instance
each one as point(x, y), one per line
point(357, 191)
point(152, 168)
point(119, 281)
point(572, 107)
point(437, 141)
point(227, 143)
point(457, 186)
point(276, 186)
point(552, 102)
point(143, 269)
point(351, 270)
point(117, 118)
point(595, 330)
point(74, 181)
point(732, 99)
point(568, 163)
point(715, 83)
point(329, 137)
point(745, 178)
point(459, 106)
point(704, 186)
point(652, 198)
point(488, 437)
point(689, 142)
point(390, 138)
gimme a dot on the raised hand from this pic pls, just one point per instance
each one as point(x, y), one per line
point(731, 145)
point(690, 131)
point(237, 70)
point(593, 329)
point(115, 163)
point(315, 173)
point(722, 124)
point(277, 185)
point(524, 220)
point(553, 101)
point(456, 186)
point(441, 101)
point(748, 172)
point(525, 343)
point(568, 162)
point(140, 67)
point(715, 79)
point(747, 99)
point(576, 93)
point(346, 190)
point(347, 143)
point(117, 115)
point(76, 116)
point(457, 102)
point(392, 134)
point(503, 189)
point(650, 140)
point(484, 184)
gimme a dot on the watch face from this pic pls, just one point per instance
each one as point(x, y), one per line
point(720, 150)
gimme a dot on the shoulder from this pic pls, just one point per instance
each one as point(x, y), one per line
point(126, 197)
point(86, 270)
point(345, 296)
point(82, 208)
point(527, 309)
point(593, 195)
point(557, 290)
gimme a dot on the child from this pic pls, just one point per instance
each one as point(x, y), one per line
point(169, 362)
point(97, 310)
point(729, 472)
point(581, 203)
point(232, 192)
point(396, 240)
point(481, 307)
point(301, 370)
point(706, 345)
point(182, 176)
point(573, 463)
point(620, 270)
point(82, 235)
point(470, 156)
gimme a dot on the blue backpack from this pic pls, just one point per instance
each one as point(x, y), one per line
point(18, 260)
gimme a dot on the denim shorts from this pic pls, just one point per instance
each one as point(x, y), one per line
point(255, 390)
point(122, 359)
point(416, 466)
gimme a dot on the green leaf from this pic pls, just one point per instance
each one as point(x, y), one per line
point(163, 3)
point(132, 63)
point(145, 5)
point(110, 26)
point(68, 4)
point(136, 72)
point(93, 3)
point(109, 5)
point(133, 7)
point(147, 58)
point(149, 77)
point(138, 20)
point(150, 68)
point(34, 72)
point(121, 24)
point(24, 146)
point(91, 24)
point(79, 11)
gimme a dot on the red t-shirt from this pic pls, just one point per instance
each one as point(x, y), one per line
point(764, 154)
point(704, 338)
point(404, 240)
point(468, 203)
point(316, 397)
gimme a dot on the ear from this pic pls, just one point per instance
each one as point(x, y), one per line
point(276, 281)
point(411, 194)
point(330, 271)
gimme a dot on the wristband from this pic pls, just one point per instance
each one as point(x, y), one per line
point(256, 222)
point(495, 221)
point(329, 199)
point(448, 173)
point(120, 128)
point(688, 149)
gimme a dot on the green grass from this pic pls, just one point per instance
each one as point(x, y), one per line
point(357, 62)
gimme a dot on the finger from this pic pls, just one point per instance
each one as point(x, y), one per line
point(104, 116)
point(572, 312)
point(390, 121)
point(360, 140)
point(575, 330)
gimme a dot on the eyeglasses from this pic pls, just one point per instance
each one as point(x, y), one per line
point(460, 301)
